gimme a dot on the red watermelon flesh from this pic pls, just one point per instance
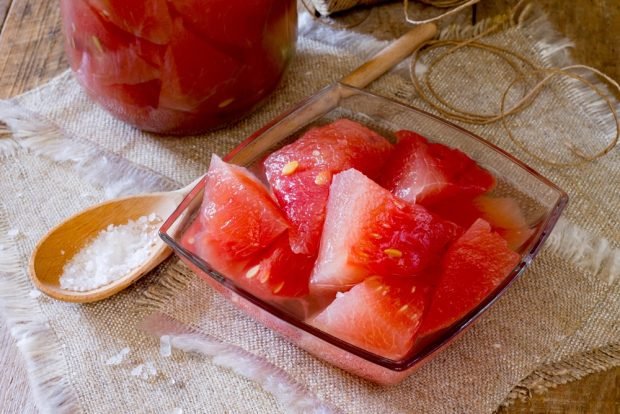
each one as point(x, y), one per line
point(194, 71)
point(380, 315)
point(279, 272)
point(503, 213)
point(422, 172)
point(470, 270)
point(227, 23)
point(238, 216)
point(145, 19)
point(300, 173)
point(368, 232)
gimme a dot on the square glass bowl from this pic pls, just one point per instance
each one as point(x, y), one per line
point(541, 201)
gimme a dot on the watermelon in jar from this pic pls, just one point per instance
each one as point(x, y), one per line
point(183, 66)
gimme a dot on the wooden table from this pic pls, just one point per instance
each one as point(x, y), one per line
point(31, 50)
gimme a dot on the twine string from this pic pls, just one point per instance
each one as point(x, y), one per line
point(457, 6)
point(535, 78)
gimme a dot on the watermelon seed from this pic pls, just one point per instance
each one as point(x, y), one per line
point(322, 178)
point(264, 277)
point(403, 308)
point(97, 43)
point(375, 236)
point(278, 288)
point(290, 167)
point(413, 288)
point(191, 240)
point(385, 225)
point(395, 253)
point(225, 102)
point(252, 272)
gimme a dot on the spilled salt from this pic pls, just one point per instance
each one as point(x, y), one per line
point(177, 411)
point(144, 371)
point(113, 253)
point(165, 346)
point(34, 293)
point(13, 233)
point(118, 358)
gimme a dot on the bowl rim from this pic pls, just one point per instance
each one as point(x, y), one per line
point(416, 355)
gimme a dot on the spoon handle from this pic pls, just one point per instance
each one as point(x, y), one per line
point(390, 56)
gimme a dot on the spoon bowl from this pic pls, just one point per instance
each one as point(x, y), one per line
point(65, 240)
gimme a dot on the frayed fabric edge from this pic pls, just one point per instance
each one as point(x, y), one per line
point(593, 254)
point(290, 395)
point(172, 277)
point(42, 352)
point(44, 138)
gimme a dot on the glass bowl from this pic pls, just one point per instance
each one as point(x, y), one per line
point(541, 201)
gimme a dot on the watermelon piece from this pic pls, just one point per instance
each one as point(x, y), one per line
point(300, 173)
point(279, 271)
point(227, 23)
point(120, 66)
point(194, 71)
point(424, 172)
point(238, 216)
point(368, 232)
point(102, 52)
point(503, 213)
point(139, 95)
point(380, 315)
point(470, 270)
point(149, 20)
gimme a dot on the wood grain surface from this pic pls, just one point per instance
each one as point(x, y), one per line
point(31, 52)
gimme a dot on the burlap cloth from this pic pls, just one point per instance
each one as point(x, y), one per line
point(557, 323)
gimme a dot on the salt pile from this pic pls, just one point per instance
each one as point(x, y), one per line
point(112, 254)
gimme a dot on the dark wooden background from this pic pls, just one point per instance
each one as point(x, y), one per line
point(31, 53)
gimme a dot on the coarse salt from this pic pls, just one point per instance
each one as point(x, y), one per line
point(144, 371)
point(165, 346)
point(34, 293)
point(112, 254)
point(13, 233)
point(118, 358)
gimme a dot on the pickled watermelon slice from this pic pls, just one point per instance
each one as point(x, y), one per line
point(380, 315)
point(424, 172)
point(300, 173)
point(149, 20)
point(238, 216)
point(368, 232)
point(187, 79)
point(470, 270)
point(279, 271)
point(503, 213)
point(202, 16)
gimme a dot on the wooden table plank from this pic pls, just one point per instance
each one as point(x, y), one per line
point(4, 8)
point(31, 50)
point(30, 45)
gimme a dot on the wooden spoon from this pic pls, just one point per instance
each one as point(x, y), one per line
point(62, 242)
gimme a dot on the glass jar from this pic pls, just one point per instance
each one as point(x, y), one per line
point(179, 66)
